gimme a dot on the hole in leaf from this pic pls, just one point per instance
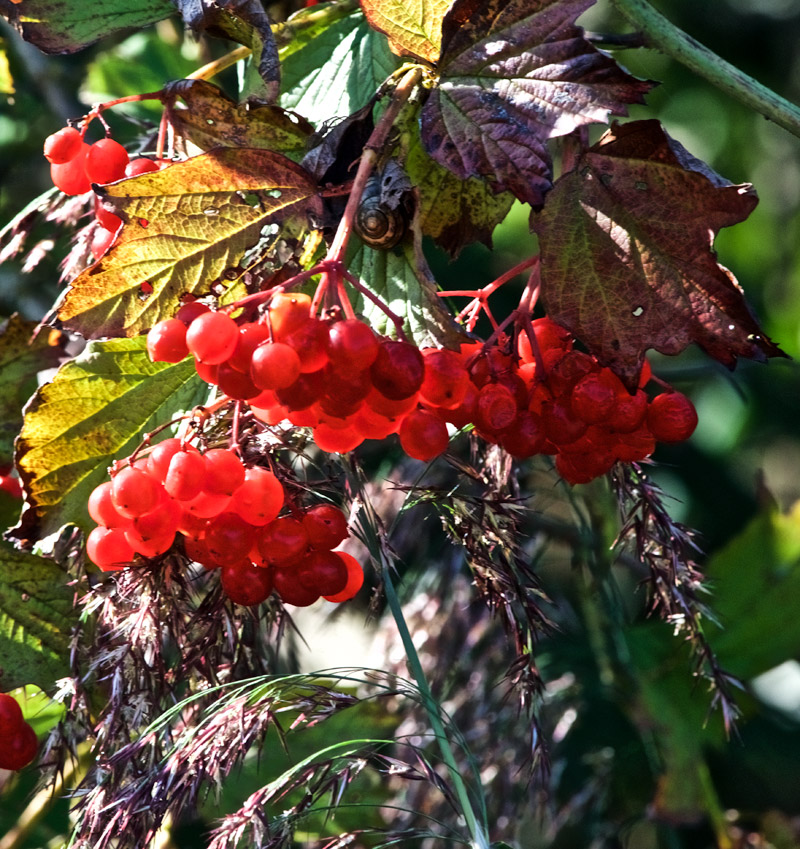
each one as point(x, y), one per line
point(274, 193)
point(638, 311)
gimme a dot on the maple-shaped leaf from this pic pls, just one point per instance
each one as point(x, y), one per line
point(247, 23)
point(513, 75)
point(196, 227)
point(627, 260)
point(413, 29)
point(211, 119)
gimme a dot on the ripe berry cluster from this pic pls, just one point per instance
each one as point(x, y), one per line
point(18, 743)
point(345, 383)
point(228, 517)
point(75, 165)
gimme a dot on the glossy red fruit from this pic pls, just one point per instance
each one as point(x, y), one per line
point(101, 241)
point(287, 312)
point(526, 437)
point(141, 165)
point(11, 485)
point(102, 508)
point(106, 219)
point(134, 492)
point(166, 341)
point(260, 498)
point(160, 455)
point(62, 146)
point(310, 340)
point(671, 417)
point(235, 384)
point(446, 379)
point(548, 335)
point(628, 412)
point(283, 542)
point(352, 345)
point(274, 365)
point(11, 718)
point(322, 572)
point(251, 335)
point(224, 471)
point(229, 538)
point(189, 311)
point(593, 397)
point(106, 161)
point(304, 392)
point(156, 525)
point(423, 435)
point(291, 590)
point(355, 578)
point(212, 337)
point(245, 583)
point(336, 440)
point(398, 370)
point(70, 177)
point(496, 408)
point(19, 750)
point(206, 505)
point(325, 526)
point(561, 426)
point(109, 549)
point(186, 475)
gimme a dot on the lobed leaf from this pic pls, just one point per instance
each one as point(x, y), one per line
point(513, 75)
point(22, 357)
point(36, 618)
point(626, 253)
point(66, 26)
point(95, 410)
point(212, 119)
point(195, 227)
point(337, 72)
point(413, 29)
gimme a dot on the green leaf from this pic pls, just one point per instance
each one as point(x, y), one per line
point(338, 71)
point(513, 74)
point(211, 118)
point(195, 227)
point(65, 26)
point(6, 80)
point(96, 409)
point(453, 211)
point(413, 29)
point(627, 259)
point(22, 356)
point(36, 617)
point(403, 281)
point(755, 584)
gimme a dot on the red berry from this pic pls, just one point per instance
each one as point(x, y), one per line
point(325, 526)
point(206, 505)
point(235, 383)
point(274, 365)
point(107, 220)
point(11, 485)
point(250, 337)
point(496, 408)
point(11, 718)
point(310, 340)
point(259, 499)
point(355, 578)
point(671, 417)
point(190, 311)
point(141, 165)
point(245, 583)
point(352, 345)
point(593, 397)
point(290, 589)
point(186, 475)
point(160, 455)
point(109, 549)
point(323, 572)
point(304, 392)
point(526, 437)
point(224, 471)
point(106, 161)
point(212, 337)
point(446, 378)
point(561, 426)
point(287, 312)
point(166, 341)
point(283, 542)
point(134, 492)
point(62, 146)
point(101, 241)
point(629, 411)
point(336, 440)
point(18, 751)
point(157, 524)
point(229, 538)
point(423, 435)
point(398, 370)
point(71, 177)
point(102, 508)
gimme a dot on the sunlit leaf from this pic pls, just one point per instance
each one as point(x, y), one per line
point(35, 620)
point(513, 75)
point(64, 26)
point(196, 227)
point(413, 29)
point(626, 253)
point(96, 409)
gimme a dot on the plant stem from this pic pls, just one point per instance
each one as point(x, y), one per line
point(662, 35)
point(480, 839)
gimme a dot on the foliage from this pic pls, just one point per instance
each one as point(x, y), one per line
point(514, 658)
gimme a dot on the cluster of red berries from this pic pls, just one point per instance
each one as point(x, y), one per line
point(75, 165)
point(228, 517)
point(347, 384)
point(18, 744)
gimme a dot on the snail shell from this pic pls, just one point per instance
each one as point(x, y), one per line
point(379, 224)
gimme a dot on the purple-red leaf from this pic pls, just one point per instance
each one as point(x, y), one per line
point(627, 261)
point(513, 75)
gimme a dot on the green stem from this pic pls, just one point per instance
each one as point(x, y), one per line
point(477, 831)
point(669, 39)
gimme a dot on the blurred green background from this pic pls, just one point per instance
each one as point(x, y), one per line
point(744, 456)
